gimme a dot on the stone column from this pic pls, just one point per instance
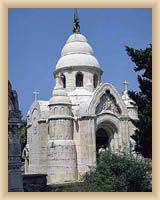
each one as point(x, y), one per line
point(124, 127)
point(70, 80)
point(88, 81)
point(87, 145)
point(43, 140)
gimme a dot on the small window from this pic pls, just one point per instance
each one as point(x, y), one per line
point(79, 79)
point(95, 80)
point(63, 78)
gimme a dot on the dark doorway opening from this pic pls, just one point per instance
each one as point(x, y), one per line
point(102, 140)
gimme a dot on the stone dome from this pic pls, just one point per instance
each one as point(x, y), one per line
point(127, 100)
point(59, 97)
point(77, 52)
point(77, 48)
point(76, 38)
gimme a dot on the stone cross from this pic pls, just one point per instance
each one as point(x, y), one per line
point(36, 93)
point(125, 85)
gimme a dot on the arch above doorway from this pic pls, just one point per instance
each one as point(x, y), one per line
point(107, 129)
point(108, 119)
point(99, 92)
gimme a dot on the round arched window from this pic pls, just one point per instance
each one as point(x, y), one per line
point(95, 80)
point(63, 79)
point(79, 79)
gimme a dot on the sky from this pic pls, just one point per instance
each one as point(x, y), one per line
point(37, 36)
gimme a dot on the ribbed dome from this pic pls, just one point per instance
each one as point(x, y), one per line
point(59, 97)
point(76, 38)
point(59, 100)
point(77, 60)
point(77, 48)
point(77, 52)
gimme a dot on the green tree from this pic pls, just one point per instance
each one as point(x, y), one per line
point(23, 135)
point(143, 98)
point(118, 173)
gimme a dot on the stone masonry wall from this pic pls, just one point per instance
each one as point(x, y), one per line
point(61, 151)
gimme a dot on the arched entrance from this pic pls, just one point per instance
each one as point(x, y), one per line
point(102, 139)
point(105, 136)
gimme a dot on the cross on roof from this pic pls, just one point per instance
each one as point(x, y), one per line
point(125, 85)
point(35, 93)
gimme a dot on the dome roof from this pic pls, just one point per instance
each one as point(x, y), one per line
point(76, 38)
point(77, 52)
point(127, 100)
point(77, 60)
point(59, 97)
point(77, 48)
point(59, 100)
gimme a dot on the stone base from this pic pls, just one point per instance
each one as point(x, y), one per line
point(15, 183)
point(74, 186)
point(34, 182)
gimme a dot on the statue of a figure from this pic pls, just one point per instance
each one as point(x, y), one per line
point(25, 156)
point(132, 144)
point(102, 149)
point(76, 26)
point(107, 104)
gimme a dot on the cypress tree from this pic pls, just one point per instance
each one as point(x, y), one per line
point(143, 98)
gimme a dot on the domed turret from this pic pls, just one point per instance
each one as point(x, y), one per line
point(59, 97)
point(77, 66)
point(77, 52)
point(130, 104)
point(77, 43)
point(76, 38)
point(61, 148)
point(77, 57)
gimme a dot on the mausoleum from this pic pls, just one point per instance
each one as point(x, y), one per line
point(65, 133)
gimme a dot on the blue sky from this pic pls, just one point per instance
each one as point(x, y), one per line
point(36, 37)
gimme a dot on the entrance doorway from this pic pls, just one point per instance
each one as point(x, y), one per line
point(102, 140)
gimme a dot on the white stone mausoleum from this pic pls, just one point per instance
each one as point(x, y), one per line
point(65, 133)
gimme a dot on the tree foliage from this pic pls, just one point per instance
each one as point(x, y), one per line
point(118, 173)
point(23, 135)
point(143, 99)
point(113, 173)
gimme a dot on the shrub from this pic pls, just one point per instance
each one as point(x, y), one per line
point(118, 173)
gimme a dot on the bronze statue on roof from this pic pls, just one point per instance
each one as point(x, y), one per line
point(76, 26)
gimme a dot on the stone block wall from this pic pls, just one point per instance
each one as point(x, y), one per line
point(61, 161)
point(84, 137)
point(43, 140)
point(61, 151)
